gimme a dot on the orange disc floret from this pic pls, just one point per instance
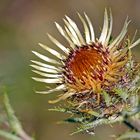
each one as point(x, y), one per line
point(86, 67)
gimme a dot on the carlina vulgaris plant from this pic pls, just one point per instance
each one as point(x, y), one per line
point(98, 77)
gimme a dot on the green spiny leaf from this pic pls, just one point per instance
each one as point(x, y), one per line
point(13, 121)
point(96, 123)
point(122, 93)
point(107, 98)
point(8, 135)
point(94, 113)
point(59, 109)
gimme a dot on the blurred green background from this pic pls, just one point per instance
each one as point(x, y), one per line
point(24, 23)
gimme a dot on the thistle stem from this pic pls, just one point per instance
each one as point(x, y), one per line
point(129, 125)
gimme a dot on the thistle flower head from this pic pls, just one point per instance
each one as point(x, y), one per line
point(94, 75)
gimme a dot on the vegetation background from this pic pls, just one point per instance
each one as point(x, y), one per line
point(24, 23)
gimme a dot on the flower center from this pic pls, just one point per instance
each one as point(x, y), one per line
point(86, 66)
